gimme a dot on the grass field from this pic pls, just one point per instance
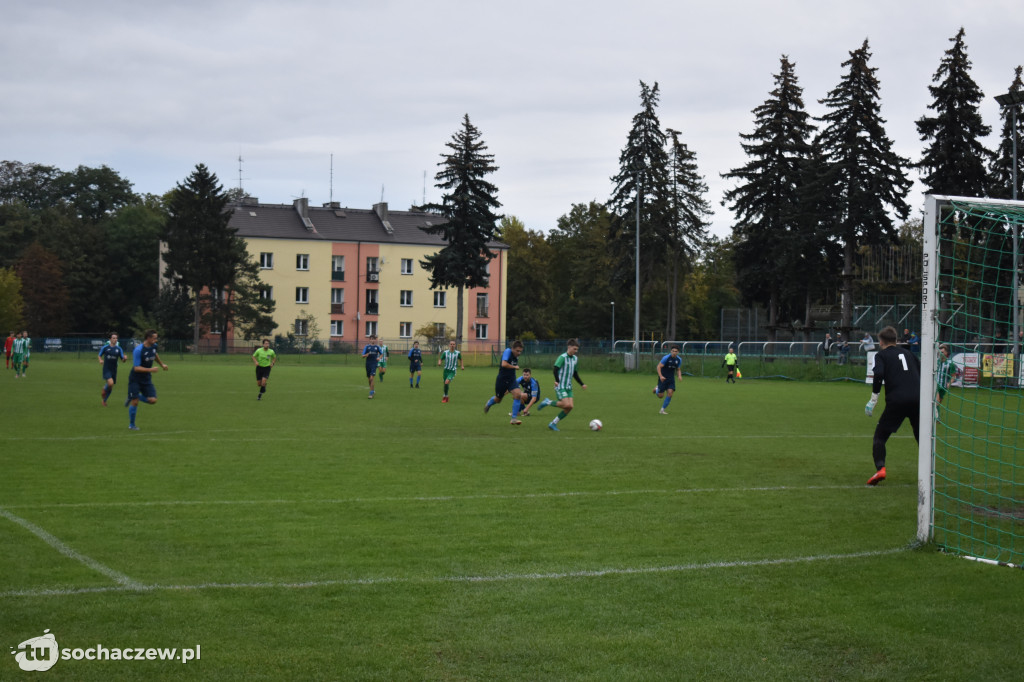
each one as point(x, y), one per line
point(320, 535)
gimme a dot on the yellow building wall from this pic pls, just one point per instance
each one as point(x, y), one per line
point(393, 282)
point(284, 277)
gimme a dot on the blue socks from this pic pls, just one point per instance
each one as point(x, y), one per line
point(516, 404)
point(132, 409)
point(668, 399)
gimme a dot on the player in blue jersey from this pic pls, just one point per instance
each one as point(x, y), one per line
point(415, 363)
point(109, 356)
point(507, 382)
point(371, 352)
point(531, 391)
point(140, 380)
point(668, 370)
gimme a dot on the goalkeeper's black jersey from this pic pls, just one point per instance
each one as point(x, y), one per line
point(901, 371)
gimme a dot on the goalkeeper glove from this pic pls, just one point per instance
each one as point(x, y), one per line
point(870, 407)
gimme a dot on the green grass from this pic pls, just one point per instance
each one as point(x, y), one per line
point(320, 535)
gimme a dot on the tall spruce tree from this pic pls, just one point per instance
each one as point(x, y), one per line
point(769, 201)
point(470, 223)
point(955, 161)
point(865, 178)
point(689, 210)
point(1001, 170)
point(643, 171)
point(205, 255)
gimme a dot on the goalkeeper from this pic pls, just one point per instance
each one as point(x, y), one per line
point(900, 371)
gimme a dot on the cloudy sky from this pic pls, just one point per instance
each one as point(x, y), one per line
point(152, 89)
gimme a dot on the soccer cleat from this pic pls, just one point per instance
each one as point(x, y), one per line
point(544, 403)
point(878, 477)
point(444, 399)
point(553, 426)
point(662, 411)
point(515, 422)
point(133, 427)
point(417, 385)
point(654, 390)
point(371, 395)
point(259, 396)
point(487, 408)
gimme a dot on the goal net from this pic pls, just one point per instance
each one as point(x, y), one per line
point(971, 464)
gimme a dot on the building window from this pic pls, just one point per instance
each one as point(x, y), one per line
point(267, 293)
point(405, 297)
point(371, 329)
point(301, 327)
point(302, 261)
point(439, 330)
point(371, 264)
point(302, 294)
point(215, 326)
point(266, 261)
point(371, 301)
point(481, 305)
point(407, 266)
point(338, 269)
point(405, 330)
point(337, 328)
point(337, 295)
point(481, 331)
point(439, 299)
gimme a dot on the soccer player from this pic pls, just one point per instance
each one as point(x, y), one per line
point(565, 372)
point(451, 359)
point(731, 364)
point(507, 382)
point(140, 380)
point(264, 358)
point(371, 352)
point(415, 363)
point(668, 369)
point(531, 391)
point(20, 351)
point(109, 356)
point(7, 348)
point(900, 371)
point(382, 362)
point(943, 376)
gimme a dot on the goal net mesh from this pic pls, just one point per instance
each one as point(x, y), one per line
point(974, 500)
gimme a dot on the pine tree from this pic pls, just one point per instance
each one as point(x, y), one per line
point(470, 223)
point(643, 171)
point(689, 210)
point(1001, 169)
point(864, 177)
point(954, 163)
point(769, 202)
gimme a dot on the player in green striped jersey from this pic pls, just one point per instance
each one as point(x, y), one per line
point(21, 349)
point(565, 372)
point(452, 360)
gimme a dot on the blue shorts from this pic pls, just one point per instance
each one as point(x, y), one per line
point(138, 391)
point(415, 367)
point(667, 384)
point(110, 374)
point(371, 369)
point(505, 385)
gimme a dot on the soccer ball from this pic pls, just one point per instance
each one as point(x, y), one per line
point(596, 425)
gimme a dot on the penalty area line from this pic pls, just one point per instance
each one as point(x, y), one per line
point(120, 578)
point(461, 579)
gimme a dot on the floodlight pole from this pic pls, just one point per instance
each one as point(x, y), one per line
point(613, 325)
point(636, 319)
point(1013, 100)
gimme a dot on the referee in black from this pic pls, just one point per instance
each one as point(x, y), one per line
point(900, 370)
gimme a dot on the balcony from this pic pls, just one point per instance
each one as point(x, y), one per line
point(371, 308)
point(337, 275)
point(337, 309)
point(373, 276)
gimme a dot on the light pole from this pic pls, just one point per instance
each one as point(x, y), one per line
point(1013, 100)
point(636, 319)
point(613, 325)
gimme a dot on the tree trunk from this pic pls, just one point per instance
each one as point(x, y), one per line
point(847, 292)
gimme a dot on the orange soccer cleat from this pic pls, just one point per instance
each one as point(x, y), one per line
point(878, 477)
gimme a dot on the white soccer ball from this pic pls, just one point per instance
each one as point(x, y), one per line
point(596, 425)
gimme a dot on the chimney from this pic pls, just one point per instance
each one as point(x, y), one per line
point(381, 210)
point(302, 208)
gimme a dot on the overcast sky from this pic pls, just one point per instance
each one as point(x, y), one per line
point(152, 89)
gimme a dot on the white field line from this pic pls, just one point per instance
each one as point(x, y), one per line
point(437, 580)
point(330, 432)
point(451, 498)
point(121, 579)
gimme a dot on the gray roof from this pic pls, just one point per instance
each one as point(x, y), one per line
point(336, 224)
